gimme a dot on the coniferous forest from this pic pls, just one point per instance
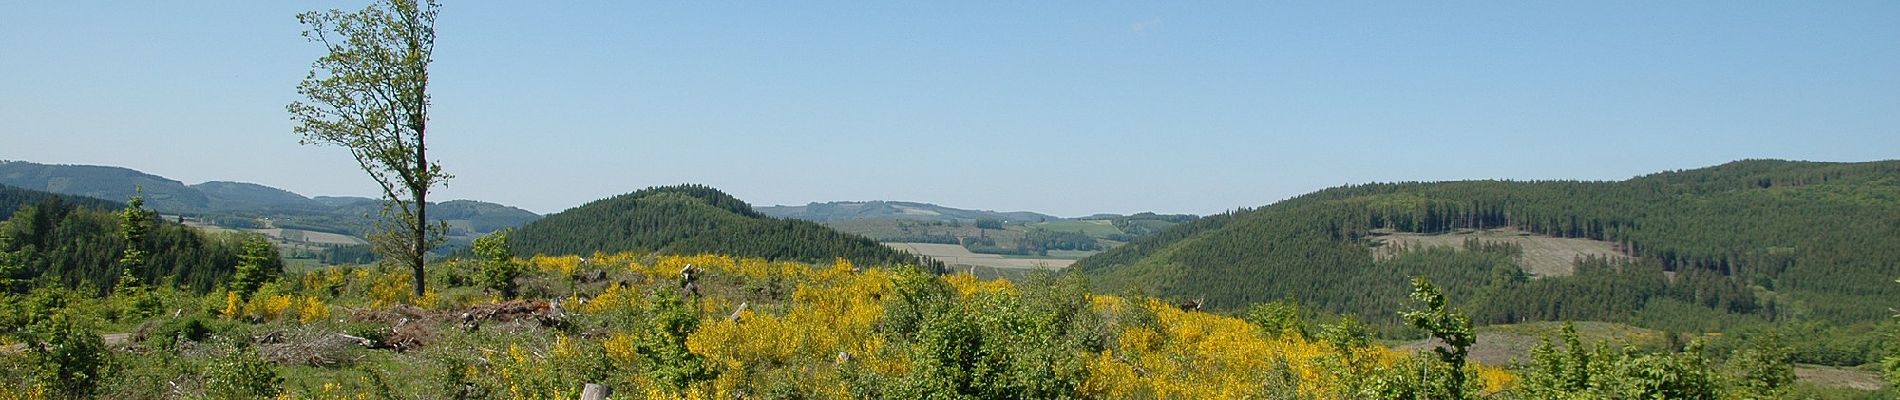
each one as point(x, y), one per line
point(694, 219)
point(1757, 243)
point(75, 243)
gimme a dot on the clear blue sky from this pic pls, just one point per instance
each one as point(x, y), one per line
point(1069, 109)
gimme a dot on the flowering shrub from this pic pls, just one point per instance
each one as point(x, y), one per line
point(840, 331)
point(312, 310)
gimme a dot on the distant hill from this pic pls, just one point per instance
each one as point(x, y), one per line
point(692, 219)
point(243, 205)
point(341, 201)
point(242, 200)
point(912, 222)
point(250, 196)
point(856, 210)
point(101, 182)
point(477, 217)
point(1756, 240)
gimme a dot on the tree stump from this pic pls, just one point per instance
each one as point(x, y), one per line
point(595, 391)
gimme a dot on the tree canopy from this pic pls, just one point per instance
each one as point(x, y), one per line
point(370, 95)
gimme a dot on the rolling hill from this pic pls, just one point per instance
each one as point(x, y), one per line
point(1700, 250)
point(103, 182)
point(234, 196)
point(242, 205)
point(692, 219)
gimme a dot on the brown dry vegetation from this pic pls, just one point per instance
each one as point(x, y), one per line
point(1543, 255)
point(1839, 377)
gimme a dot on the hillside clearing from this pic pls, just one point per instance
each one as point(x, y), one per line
point(1506, 344)
point(294, 236)
point(298, 235)
point(1839, 377)
point(1543, 255)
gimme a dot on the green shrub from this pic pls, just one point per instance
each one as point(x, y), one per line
point(499, 268)
point(1764, 370)
point(251, 271)
point(1585, 371)
point(242, 374)
point(64, 352)
point(67, 353)
point(194, 328)
point(662, 345)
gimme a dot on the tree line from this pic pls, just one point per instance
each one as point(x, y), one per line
point(58, 241)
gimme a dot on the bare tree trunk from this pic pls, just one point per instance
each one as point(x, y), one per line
point(422, 205)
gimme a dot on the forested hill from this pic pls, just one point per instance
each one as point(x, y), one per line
point(1762, 239)
point(693, 219)
point(77, 242)
point(103, 182)
point(13, 198)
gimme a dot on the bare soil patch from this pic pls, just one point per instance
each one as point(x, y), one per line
point(1839, 377)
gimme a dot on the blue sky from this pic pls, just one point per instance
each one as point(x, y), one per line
point(1069, 109)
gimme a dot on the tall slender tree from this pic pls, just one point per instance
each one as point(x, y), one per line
point(370, 95)
point(135, 223)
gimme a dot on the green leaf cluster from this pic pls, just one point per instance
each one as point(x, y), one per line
point(498, 266)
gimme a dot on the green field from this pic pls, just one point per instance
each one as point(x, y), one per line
point(1094, 228)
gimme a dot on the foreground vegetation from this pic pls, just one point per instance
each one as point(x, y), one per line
point(760, 329)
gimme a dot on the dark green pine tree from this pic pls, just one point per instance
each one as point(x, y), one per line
point(251, 272)
point(135, 223)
